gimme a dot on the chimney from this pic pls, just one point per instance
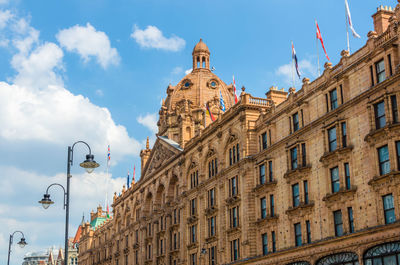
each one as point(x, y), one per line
point(277, 96)
point(381, 19)
point(144, 155)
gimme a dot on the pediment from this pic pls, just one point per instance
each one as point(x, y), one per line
point(162, 151)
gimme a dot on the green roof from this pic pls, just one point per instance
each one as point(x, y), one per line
point(97, 221)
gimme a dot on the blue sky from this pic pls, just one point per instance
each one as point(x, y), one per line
point(97, 70)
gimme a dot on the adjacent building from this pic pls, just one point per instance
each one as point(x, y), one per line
point(298, 177)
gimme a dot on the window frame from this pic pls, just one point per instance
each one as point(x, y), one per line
point(295, 196)
point(387, 210)
point(380, 118)
point(293, 158)
point(263, 207)
point(379, 72)
point(333, 99)
point(332, 142)
point(338, 224)
point(295, 121)
point(297, 235)
point(384, 165)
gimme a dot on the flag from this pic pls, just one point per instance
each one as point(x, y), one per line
point(108, 156)
point(294, 57)
point(133, 175)
point(209, 112)
point(348, 16)
point(127, 180)
point(319, 36)
point(108, 211)
point(221, 101)
point(234, 89)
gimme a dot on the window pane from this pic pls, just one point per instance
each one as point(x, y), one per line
point(380, 119)
point(398, 154)
point(335, 179)
point(384, 164)
point(262, 174)
point(389, 260)
point(293, 156)
point(332, 139)
point(295, 118)
point(333, 96)
point(295, 194)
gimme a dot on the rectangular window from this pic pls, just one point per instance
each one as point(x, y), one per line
point(273, 241)
point(308, 227)
point(326, 102)
point(303, 155)
point(372, 75)
point(398, 154)
point(212, 168)
point(175, 241)
point(262, 174)
point(335, 179)
point(344, 134)
point(305, 185)
point(270, 172)
point(234, 155)
point(237, 153)
point(212, 254)
point(388, 208)
point(193, 207)
point(233, 188)
point(193, 234)
point(380, 71)
point(351, 219)
point(211, 226)
point(264, 140)
point(302, 118)
point(211, 197)
point(272, 205)
point(333, 97)
point(293, 158)
point(263, 205)
point(347, 175)
point(384, 163)
point(290, 125)
point(395, 111)
point(380, 118)
point(295, 119)
point(341, 95)
point(193, 259)
point(209, 170)
point(296, 195)
point(216, 166)
point(337, 218)
point(390, 64)
point(230, 157)
point(297, 234)
point(332, 139)
point(161, 246)
point(264, 239)
point(235, 250)
point(234, 214)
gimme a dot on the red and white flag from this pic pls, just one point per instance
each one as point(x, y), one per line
point(348, 15)
point(234, 89)
point(133, 176)
point(319, 36)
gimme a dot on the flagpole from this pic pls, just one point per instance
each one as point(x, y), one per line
point(316, 42)
point(347, 30)
point(292, 66)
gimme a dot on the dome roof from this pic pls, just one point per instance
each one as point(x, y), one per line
point(201, 47)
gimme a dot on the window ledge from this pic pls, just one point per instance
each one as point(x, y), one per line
point(334, 154)
point(261, 187)
point(148, 261)
point(211, 239)
point(149, 238)
point(232, 200)
point(136, 246)
point(210, 210)
point(192, 245)
point(262, 221)
point(375, 181)
point(334, 197)
point(192, 219)
point(295, 172)
point(160, 256)
point(233, 230)
point(298, 209)
point(116, 254)
point(381, 132)
point(173, 251)
point(161, 232)
point(126, 250)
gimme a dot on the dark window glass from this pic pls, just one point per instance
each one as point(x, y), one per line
point(295, 119)
point(263, 204)
point(390, 64)
point(193, 234)
point(211, 226)
point(216, 166)
point(193, 259)
point(326, 102)
point(235, 249)
point(351, 219)
point(335, 179)
point(209, 169)
point(193, 207)
point(297, 234)
point(395, 111)
point(388, 208)
point(212, 255)
point(344, 134)
point(303, 155)
point(264, 140)
point(230, 157)
point(234, 214)
point(333, 97)
point(234, 155)
point(237, 153)
point(337, 218)
point(293, 157)
point(341, 94)
point(398, 154)
point(332, 139)
point(296, 195)
point(211, 197)
point(272, 205)
point(270, 171)
point(273, 241)
point(347, 175)
point(384, 163)
point(262, 173)
point(306, 200)
point(212, 168)
point(380, 118)
point(264, 239)
point(372, 75)
point(308, 227)
point(233, 186)
point(380, 71)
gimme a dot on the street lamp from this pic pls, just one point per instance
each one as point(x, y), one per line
point(89, 164)
point(22, 243)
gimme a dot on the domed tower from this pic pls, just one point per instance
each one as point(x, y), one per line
point(183, 112)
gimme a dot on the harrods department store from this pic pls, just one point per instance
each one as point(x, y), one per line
point(299, 177)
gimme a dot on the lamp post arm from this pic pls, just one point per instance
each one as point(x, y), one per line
point(12, 235)
point(10, 243)
point(65, 193)
point(71, 151)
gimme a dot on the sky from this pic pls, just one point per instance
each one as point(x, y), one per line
point(97, 71)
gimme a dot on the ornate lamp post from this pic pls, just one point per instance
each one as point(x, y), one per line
point(22, 243)
point(89, 164)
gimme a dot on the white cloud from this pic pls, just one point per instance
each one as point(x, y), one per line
point(5, 16)
point(307, 69)
point(149, 121)
point(152, 37)
point(177, 70)
point(88, 42)
point(99, 92)
point(2, 2)
point(188, 71)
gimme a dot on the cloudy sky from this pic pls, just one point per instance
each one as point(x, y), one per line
point(97, 71)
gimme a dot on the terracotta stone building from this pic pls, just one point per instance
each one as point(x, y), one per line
point(299, 177)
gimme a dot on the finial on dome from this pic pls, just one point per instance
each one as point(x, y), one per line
point(147, 143)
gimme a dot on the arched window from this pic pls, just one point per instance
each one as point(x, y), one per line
point(344, 258)
point(300, 263)
point(385, 254)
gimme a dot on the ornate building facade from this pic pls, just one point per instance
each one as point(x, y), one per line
point(299, 177)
